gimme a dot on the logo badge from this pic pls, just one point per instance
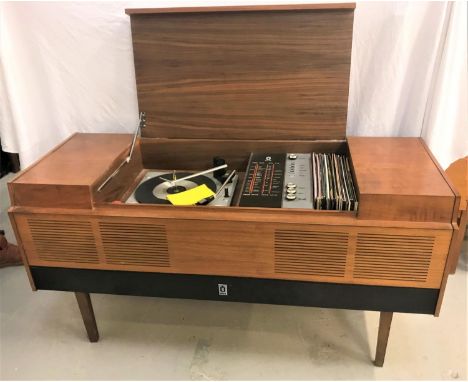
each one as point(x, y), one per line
point(222, 289)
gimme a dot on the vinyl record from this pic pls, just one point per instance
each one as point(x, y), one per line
point(155, 190)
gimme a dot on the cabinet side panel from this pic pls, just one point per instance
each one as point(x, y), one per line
point(47, 195)
point(406, 208)
point(20, 229)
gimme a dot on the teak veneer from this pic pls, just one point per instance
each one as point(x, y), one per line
point(227, 81)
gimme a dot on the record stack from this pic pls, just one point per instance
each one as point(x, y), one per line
point(333, 187)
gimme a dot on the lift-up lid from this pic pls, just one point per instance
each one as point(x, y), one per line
point(258, 72)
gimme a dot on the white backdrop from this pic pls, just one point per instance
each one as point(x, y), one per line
point(67, 67)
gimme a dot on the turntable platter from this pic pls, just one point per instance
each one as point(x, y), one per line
point(155, 189)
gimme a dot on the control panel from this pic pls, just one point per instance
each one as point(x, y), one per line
point(277, 181)
point(297, 189)
point(264, 180)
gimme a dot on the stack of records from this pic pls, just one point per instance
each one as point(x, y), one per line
point(333, 187)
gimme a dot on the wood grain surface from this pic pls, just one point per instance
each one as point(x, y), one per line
point(257, 248)
point(80, 160)
point(244, 75)
point(197, 154)
point(385, 322)
point(457, 172)
point(242, 8)
point(87, 314)
point(68, 175)
point(398, 180)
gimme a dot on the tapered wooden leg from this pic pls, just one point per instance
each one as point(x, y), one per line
point(382, 339)
point(86, 309)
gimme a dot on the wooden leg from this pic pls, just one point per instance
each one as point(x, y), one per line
point(382, 339)
point(86, 309)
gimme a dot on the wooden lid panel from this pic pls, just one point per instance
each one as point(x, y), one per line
point(398, 180)
point(66, 176)
point(244, 75)
point(243, 8)
point(396, 166)
point(80, 160)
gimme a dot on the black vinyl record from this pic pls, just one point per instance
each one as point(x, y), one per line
point(156, 189)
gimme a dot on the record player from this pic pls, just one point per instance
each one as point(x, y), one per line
point(264, 88)
point(154, 188)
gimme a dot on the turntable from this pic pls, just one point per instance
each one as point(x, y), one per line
point(157, 185)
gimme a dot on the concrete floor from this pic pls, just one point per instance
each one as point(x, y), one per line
point(42, 337)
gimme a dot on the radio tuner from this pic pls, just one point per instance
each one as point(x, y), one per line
point(278, 181)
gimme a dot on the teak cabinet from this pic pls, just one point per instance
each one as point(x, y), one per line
point(228, 81)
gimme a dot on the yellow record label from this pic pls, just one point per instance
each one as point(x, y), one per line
point(190, 197)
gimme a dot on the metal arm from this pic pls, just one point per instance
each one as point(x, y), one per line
point(141, 123)
point(172, 182)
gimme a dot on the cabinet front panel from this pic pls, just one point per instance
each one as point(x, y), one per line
point(338, 254)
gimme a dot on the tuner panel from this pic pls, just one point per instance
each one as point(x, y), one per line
point(263, 186)
point(297, 192)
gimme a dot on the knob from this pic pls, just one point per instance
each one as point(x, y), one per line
point(291, 185)
point(219, 174)
point(292, 156)
point(290, 197)
point(291, 191)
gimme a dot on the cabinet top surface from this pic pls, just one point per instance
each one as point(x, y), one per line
point(393, 166)
point(80, 160)
point(396, 166)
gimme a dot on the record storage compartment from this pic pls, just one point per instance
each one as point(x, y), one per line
point(168, 155)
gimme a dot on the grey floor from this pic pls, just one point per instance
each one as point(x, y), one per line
point(42, 337)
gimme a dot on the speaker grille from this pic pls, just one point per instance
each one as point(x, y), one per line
point(135, 244)
point(393, 257)
point(63, 241)
point(310, 253)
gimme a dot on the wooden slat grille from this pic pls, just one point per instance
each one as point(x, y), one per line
point(393, 257)
point(63, 241)
point(311, 253)
point(135, 244)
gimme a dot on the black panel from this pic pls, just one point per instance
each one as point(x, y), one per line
point(240, 289)
point(264, 179)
